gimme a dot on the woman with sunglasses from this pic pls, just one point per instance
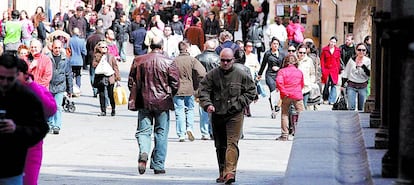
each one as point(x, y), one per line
point(355, 77)
point(102, 55)
point(308, 70)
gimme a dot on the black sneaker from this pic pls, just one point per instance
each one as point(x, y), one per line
point(159, 171)
point(55, 130)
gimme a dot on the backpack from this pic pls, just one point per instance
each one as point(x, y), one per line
point(298, 35)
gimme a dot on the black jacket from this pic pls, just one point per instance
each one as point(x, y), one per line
point(209, 59)
point(26, 110)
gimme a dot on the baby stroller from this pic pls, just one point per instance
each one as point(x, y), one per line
point(67, 104)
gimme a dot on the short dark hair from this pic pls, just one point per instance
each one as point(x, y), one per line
point(22, 66)
point(15, 14)
point(8, 61)
point(240, 56)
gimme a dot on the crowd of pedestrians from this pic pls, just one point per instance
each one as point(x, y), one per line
point(185, 54)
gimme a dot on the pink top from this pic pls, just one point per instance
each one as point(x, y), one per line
point(290, 82)
point(42, 69)
point(290, 29)
point(47, 99)
point(113, 50)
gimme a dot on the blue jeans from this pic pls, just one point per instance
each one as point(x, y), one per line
point(56, 119)
point(184, 114)
point(352, 95)
point(161, 121)
point(121, 50)
point(205, 123)
point(332, 94)
point(15, 180)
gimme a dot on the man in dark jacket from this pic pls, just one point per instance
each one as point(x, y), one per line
point(62, 81)
point(121, 27)
point(211, 26)
point(17, 132)
point(153, 81)
point(225, 92)
point(78, 21)
point(90, 48)
point(210, 60)
point(137, 39)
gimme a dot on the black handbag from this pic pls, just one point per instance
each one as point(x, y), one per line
point(100, 80)
point(340, 103)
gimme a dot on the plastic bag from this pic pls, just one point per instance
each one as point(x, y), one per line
point(120, 95)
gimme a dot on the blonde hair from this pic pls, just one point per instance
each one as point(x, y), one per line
point(100, 43)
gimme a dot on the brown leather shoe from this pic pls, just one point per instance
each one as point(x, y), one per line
point(230, 178)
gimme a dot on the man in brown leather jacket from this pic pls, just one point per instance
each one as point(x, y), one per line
point(153, 81)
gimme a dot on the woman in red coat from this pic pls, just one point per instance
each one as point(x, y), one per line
point(330, 65)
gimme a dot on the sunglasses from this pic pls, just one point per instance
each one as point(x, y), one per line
point(302, 52)
point(103, 47)
point(9, 79)
point(226, 60)
point(291, 50)
point(361, 49)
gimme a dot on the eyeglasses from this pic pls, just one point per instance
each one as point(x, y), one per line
point(292, 50)
point(302, 52)
point(9, 79)
point(361, 50)
point(226, 60)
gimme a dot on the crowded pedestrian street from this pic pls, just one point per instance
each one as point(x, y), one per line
point(94, 150)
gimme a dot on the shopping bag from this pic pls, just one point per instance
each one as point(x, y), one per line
point(120, 95)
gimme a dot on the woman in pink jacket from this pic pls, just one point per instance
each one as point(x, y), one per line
point(35, 153)
point(290, 82)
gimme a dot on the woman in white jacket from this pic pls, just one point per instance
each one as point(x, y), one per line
point(308, 70)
